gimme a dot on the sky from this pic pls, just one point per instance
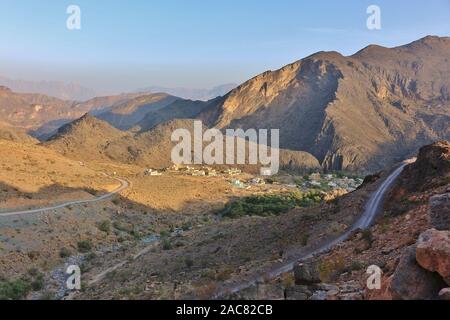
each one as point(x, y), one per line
point(124, 45)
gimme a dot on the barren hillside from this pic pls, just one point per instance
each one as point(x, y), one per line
point(89, 138)
point(359, 113)
point(127, 114)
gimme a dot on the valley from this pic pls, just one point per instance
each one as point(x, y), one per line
point(94, 183)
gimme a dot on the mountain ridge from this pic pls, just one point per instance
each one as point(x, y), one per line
point(360, 112)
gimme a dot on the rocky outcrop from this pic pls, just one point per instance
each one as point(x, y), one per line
point(431, 169)
point(350, 290)
point(309, 285)
point(307, 273)
point(433, 252)
point(411, 282)
point(424, 269)
point(440, 211)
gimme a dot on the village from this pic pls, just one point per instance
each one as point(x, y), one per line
point(324, 182)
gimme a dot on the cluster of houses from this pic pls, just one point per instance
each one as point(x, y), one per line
point(192, 171)
point(314, 180)
point(317, 180)
point(152, 172)
point(203, 171)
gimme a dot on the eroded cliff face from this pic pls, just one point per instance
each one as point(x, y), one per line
point(361, 112)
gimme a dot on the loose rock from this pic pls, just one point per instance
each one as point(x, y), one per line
point(433, 252)
point(411, 282)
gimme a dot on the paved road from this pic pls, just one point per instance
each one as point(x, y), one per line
point(371, 210)
point(123, 185)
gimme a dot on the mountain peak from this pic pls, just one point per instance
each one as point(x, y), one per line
point(84, 127)
point(326, 55)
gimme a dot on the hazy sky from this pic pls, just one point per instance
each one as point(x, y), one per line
point(123, 45)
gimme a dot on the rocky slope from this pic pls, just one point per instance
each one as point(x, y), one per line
point(180, 109)
point(192, 94)
point(42, 115)
point(410, 242)
point(30, 111)
point(127, 114)
point(89, 138)
point(361, 112)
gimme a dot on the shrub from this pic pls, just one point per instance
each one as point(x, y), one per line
point(125, 227)
point(224, 274)
point(189, 262)
point(14, 289)
point(38, 283)
point(105, 226)
point(186, 226)
point(164, 234)
point(33, 254)
point(356, 266)
point(331, 268)
point(267, 205)
point(367, 236)
point(304, 239)
point(64, 253)
point(34, 272)
point(166, 244)
point(84, 246)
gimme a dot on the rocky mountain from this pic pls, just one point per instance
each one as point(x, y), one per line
point(90, 138)
point(358, 113)
point(192, 94)
point(59, 89)
point(361, 112)
point(128, 113)
point(41, 115)
point(31, 111)
point(180, 109)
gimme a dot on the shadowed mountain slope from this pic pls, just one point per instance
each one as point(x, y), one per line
point(361, 112)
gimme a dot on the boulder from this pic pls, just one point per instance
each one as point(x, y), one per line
point(307, 273)
point(433, 252)
point(319, 295)
point(412, 282)
point(440, 211)
point(298, 293)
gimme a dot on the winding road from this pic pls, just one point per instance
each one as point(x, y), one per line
point(123, 185)
point(372, 208)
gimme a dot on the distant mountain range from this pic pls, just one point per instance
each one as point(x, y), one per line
point(58, 89)
point(192, 94)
